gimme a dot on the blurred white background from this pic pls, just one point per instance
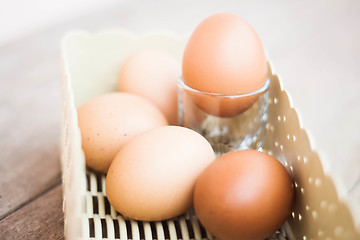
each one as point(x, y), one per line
point(21, 17)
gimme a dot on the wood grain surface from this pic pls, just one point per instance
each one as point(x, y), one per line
point(314, 46)
point(34, 221)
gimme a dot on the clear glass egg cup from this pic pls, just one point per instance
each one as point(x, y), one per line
point(228, 122)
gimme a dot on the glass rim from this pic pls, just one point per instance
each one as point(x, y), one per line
point(264, 88)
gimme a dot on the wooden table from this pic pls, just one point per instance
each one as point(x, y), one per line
point(315, 48)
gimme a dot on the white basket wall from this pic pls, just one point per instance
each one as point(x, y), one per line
point(91, 66)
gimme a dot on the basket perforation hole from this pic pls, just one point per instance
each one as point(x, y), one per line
point(116, 228)
point(284, 118)
point(88, 182)
point(305, 160)
point(293, 214)
point(141, 229)
point(276, 100)
point(153, 230)
point(202, 230)
point(91, 227)
point(190, 228)
point(128, 229)
point(166, 229)
point(294, 138)
point(281, 147)
point(99, 183)
point(178, 229)
point(314, 214)
point(104, 228)
point(288, 136)
point(300, 217)
point(320, 233)
point(95, 205)
point(279, 118)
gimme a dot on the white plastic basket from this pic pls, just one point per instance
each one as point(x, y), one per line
point(91, 66)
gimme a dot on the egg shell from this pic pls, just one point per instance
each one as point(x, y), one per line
point(153, 176)
point(243, 195)
point(224, 55)
point(153, 74)
point(108, 121)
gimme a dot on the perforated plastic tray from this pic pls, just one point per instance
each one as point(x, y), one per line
point(91, 65)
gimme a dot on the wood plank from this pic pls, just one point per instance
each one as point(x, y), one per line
point(35, 169)
point(41, 219)
point(29, 148)
point(29, 140)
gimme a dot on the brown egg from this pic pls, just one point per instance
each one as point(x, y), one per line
point(152, 74)
point(243, 195)
point(109, 121)
point(224, 55)
point(153, 176)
